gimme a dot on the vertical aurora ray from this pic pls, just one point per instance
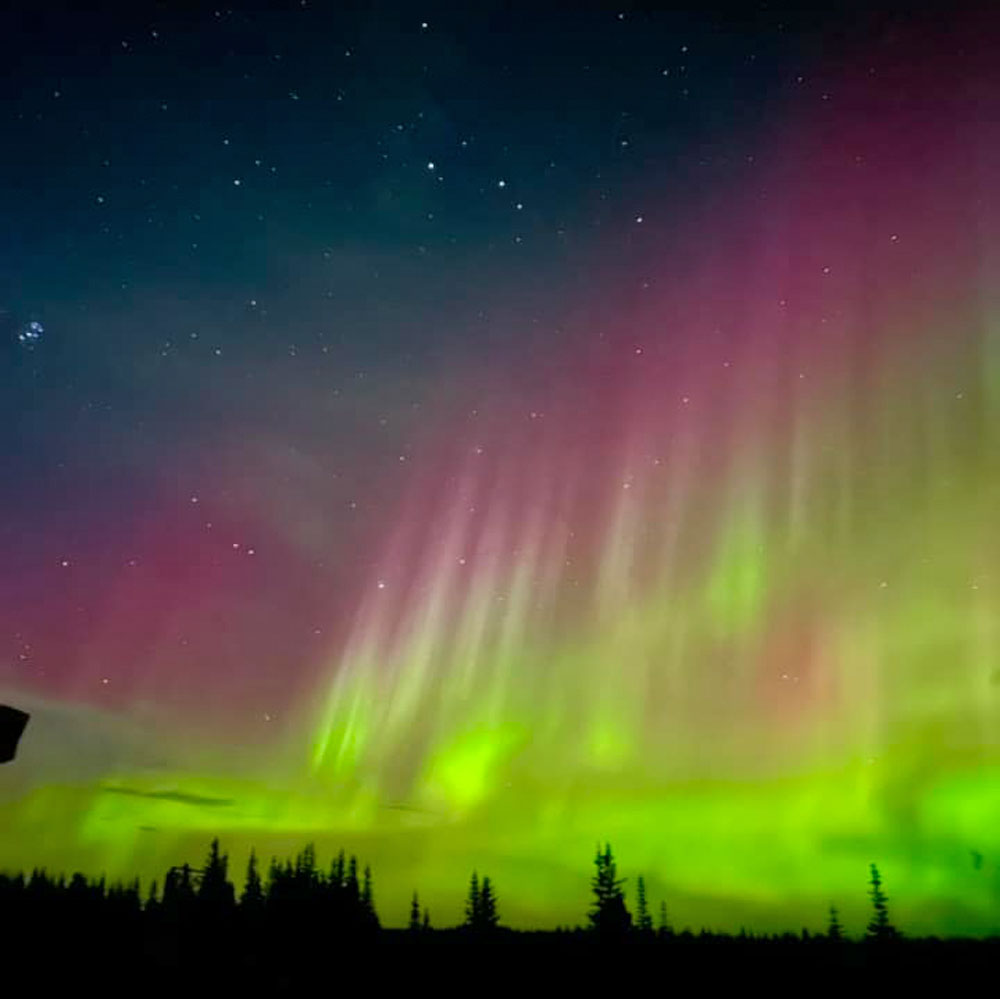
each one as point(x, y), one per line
point(727, 598)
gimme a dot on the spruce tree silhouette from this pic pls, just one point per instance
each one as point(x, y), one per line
point(664, 928)
point(338, 871)
point(644, 921)
point(351, 886)
point(414, 914)
point(488, 918)
point(879, 928)
point(305, 865)
point(178, 915)
point(609, 918)
point(834, 930)
point(215, 892)
point(178, 891)
point(473, 904)
point(252, 898)
point(152, 899)
point(426, 924)
point(369, 918)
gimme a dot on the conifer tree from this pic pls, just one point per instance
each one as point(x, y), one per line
point(351, 882)
point(368, 900)
point(215, 889)
point(185, 883)
point(664, 927)
point(488, 918)
point(834, 930)
point(472, 904)
point(426, 924)
point(252, 898)
point(338, 871)
point(644, 921)
point(879, 928)
point(414, 914)
point(609, 917)
point(305, 864)
point(178, 890)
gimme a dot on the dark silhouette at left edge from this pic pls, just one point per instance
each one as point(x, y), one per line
point(12, 725)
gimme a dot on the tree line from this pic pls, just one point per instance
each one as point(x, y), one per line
point(302, 899)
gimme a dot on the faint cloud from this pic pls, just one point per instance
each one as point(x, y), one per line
point(181, 797)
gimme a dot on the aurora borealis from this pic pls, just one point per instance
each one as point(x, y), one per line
point(512, 477)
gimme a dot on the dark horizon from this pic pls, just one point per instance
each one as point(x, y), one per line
point(285, 885)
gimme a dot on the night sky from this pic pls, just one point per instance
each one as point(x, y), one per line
point(463, 433)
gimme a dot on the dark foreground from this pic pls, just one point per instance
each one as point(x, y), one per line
point(304, 930)
point(525, 963)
